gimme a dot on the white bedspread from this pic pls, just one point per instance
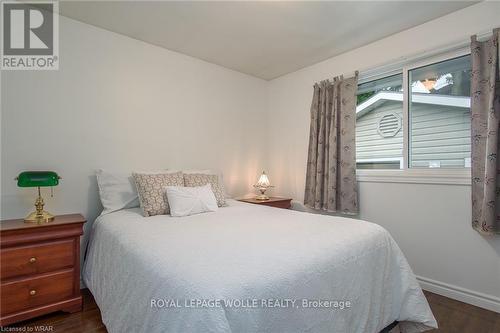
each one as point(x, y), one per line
point(264, 257)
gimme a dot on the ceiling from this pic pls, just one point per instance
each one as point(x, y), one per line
point(263, 39)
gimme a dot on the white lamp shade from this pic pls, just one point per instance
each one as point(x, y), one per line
point(263, 181)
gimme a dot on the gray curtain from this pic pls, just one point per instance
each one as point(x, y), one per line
point(331, 163)
point(485, 109)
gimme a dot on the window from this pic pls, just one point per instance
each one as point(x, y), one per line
point(428, 127)
point(379, 114)
point(439, 107)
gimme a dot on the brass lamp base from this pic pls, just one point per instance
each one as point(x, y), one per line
point(262, 197)
point(43, 217)
point(39, 215)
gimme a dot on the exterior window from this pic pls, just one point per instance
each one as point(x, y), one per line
point(417, 119)
point(379, 133)
point(439, 115)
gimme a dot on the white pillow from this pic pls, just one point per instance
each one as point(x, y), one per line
point(116, 190)
point(186, 201)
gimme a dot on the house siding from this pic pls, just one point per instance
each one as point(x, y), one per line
point(439, 133)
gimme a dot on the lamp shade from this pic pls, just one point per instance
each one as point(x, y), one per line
point(263, 181)
point(37, 179)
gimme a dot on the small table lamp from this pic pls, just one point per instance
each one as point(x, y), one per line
point(38, 179)
point(262, 185)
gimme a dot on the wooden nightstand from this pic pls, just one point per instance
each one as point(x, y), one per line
point(273, 202)
point(40, 267)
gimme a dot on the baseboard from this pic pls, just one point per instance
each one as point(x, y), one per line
point(481, 300)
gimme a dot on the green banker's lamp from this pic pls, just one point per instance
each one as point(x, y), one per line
point(38, 179)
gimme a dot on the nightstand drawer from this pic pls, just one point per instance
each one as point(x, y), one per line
point(34, 259)
point(30, 293)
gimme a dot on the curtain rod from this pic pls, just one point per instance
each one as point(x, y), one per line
point(351, 74)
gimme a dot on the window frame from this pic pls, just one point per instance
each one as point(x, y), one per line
point(449, 176)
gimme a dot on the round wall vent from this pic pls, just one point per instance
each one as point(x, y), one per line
point(389, 125)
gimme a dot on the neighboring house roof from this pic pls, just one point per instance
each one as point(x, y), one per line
point(435, 99)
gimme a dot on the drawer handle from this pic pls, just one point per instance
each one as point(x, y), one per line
point(33, 292)
point(32, 260)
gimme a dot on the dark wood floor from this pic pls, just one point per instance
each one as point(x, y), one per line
point(452, 317)
point(455, 316)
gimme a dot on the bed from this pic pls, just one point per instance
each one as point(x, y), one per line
point(250, 268)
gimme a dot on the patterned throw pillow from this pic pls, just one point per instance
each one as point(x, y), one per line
point(199, 179)
point(151, 190)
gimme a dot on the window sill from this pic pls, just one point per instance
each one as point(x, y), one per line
point(416, 176)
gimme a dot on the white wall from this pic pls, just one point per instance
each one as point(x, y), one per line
point(93, 113)
point(122, 104)
point(431, 223)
